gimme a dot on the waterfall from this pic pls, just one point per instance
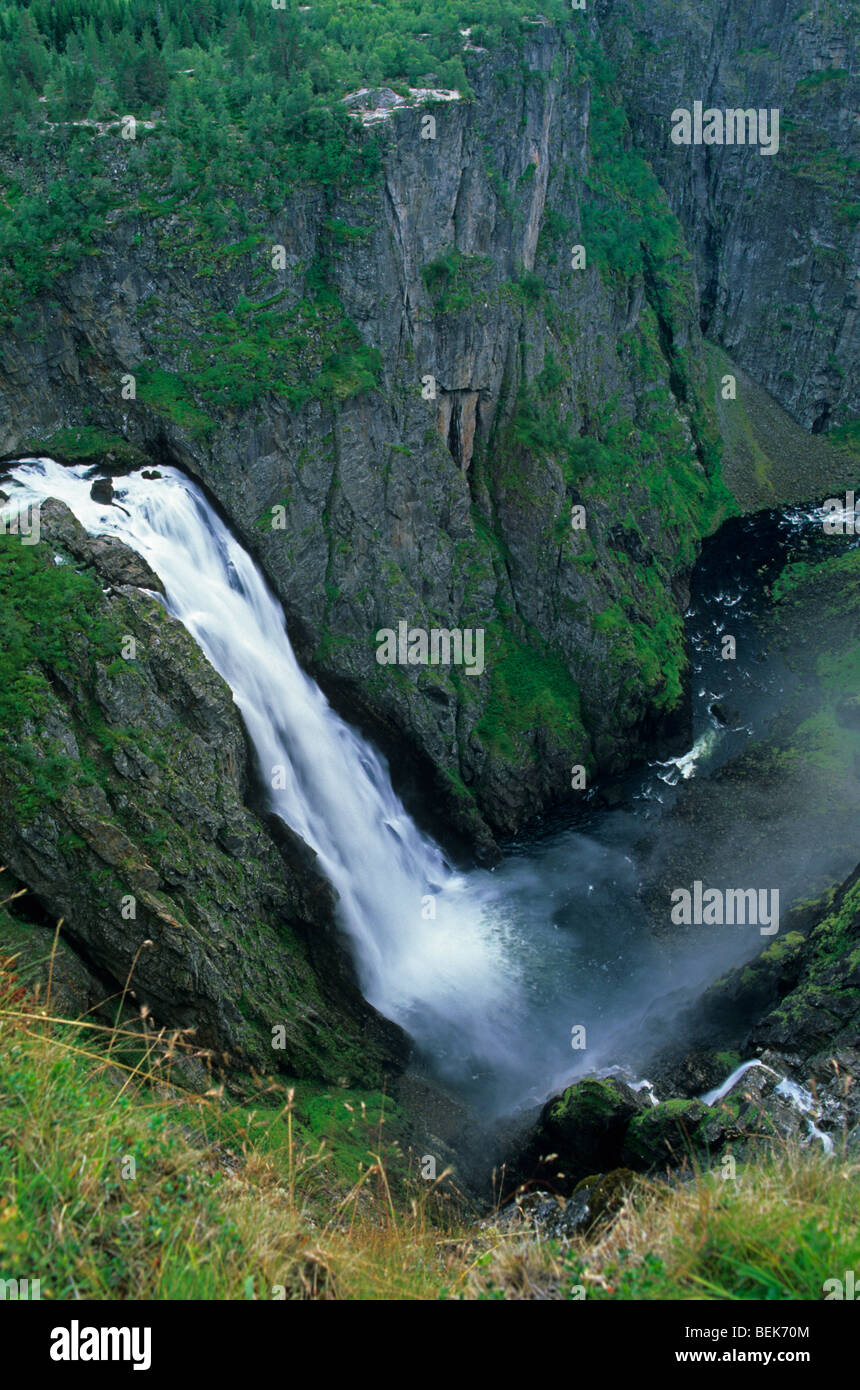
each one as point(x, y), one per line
point(448, 980)
point(518, 963)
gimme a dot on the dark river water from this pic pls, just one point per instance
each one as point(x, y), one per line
point(586, 942)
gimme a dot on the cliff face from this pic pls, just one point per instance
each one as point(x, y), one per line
point(553, 386)
point(124, 809)
point(776, 237)
point(426, 386)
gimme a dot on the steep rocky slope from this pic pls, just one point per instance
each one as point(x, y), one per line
point(776, 237)
point(401, 415)
point(555, 386)
point(125, 810)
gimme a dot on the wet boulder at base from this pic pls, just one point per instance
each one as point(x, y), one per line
point(671, 1132)
point(585, 1126)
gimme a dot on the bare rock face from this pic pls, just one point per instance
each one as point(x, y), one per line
point(776, 237)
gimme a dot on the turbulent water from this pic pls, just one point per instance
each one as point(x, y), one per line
point(488, 971)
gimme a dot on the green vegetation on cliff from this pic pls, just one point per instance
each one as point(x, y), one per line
point(52, 621)
point(54, 626)
point(249, 89)
point(122, 791)
point(529, 690)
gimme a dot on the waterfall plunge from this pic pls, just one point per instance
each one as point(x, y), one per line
point(450, 981)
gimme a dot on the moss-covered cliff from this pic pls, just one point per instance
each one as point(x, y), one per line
point(124, 810)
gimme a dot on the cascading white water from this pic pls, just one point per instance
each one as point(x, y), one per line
point(450, 980)
point(516, 962)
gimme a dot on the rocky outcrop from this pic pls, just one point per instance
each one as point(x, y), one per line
point(587, 1124)
point(600, 1125)
point(125, 810)
point(113, 560)
point(792, 1017)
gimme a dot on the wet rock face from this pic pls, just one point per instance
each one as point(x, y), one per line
point(102, 490)
point(776, 236)
point(581, 1132)
point(793, 1013)
point(589, 1121)
point(124, 809)
point(812, 1029)
point(115, 562)
point(598, 1126)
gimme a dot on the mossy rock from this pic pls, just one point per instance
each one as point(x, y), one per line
point(87, 444)
point(606, 1193)
point(673, 1131)
point(587, 1124)
point(822, 1008)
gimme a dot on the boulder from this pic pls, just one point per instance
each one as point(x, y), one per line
point(586, 1125)
point(116, 562)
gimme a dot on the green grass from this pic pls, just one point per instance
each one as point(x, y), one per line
point(118, 1181)
point(116, 1185)
point(48, 626)
point(779, 1230)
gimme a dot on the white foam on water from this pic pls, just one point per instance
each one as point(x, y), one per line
point(449, 981)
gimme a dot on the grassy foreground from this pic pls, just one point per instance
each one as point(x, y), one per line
point(117, 1181)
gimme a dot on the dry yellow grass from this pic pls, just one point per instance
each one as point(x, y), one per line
point(118, 1181)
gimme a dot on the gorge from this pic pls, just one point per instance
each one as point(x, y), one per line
point(418, 570)
point(490, 982)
